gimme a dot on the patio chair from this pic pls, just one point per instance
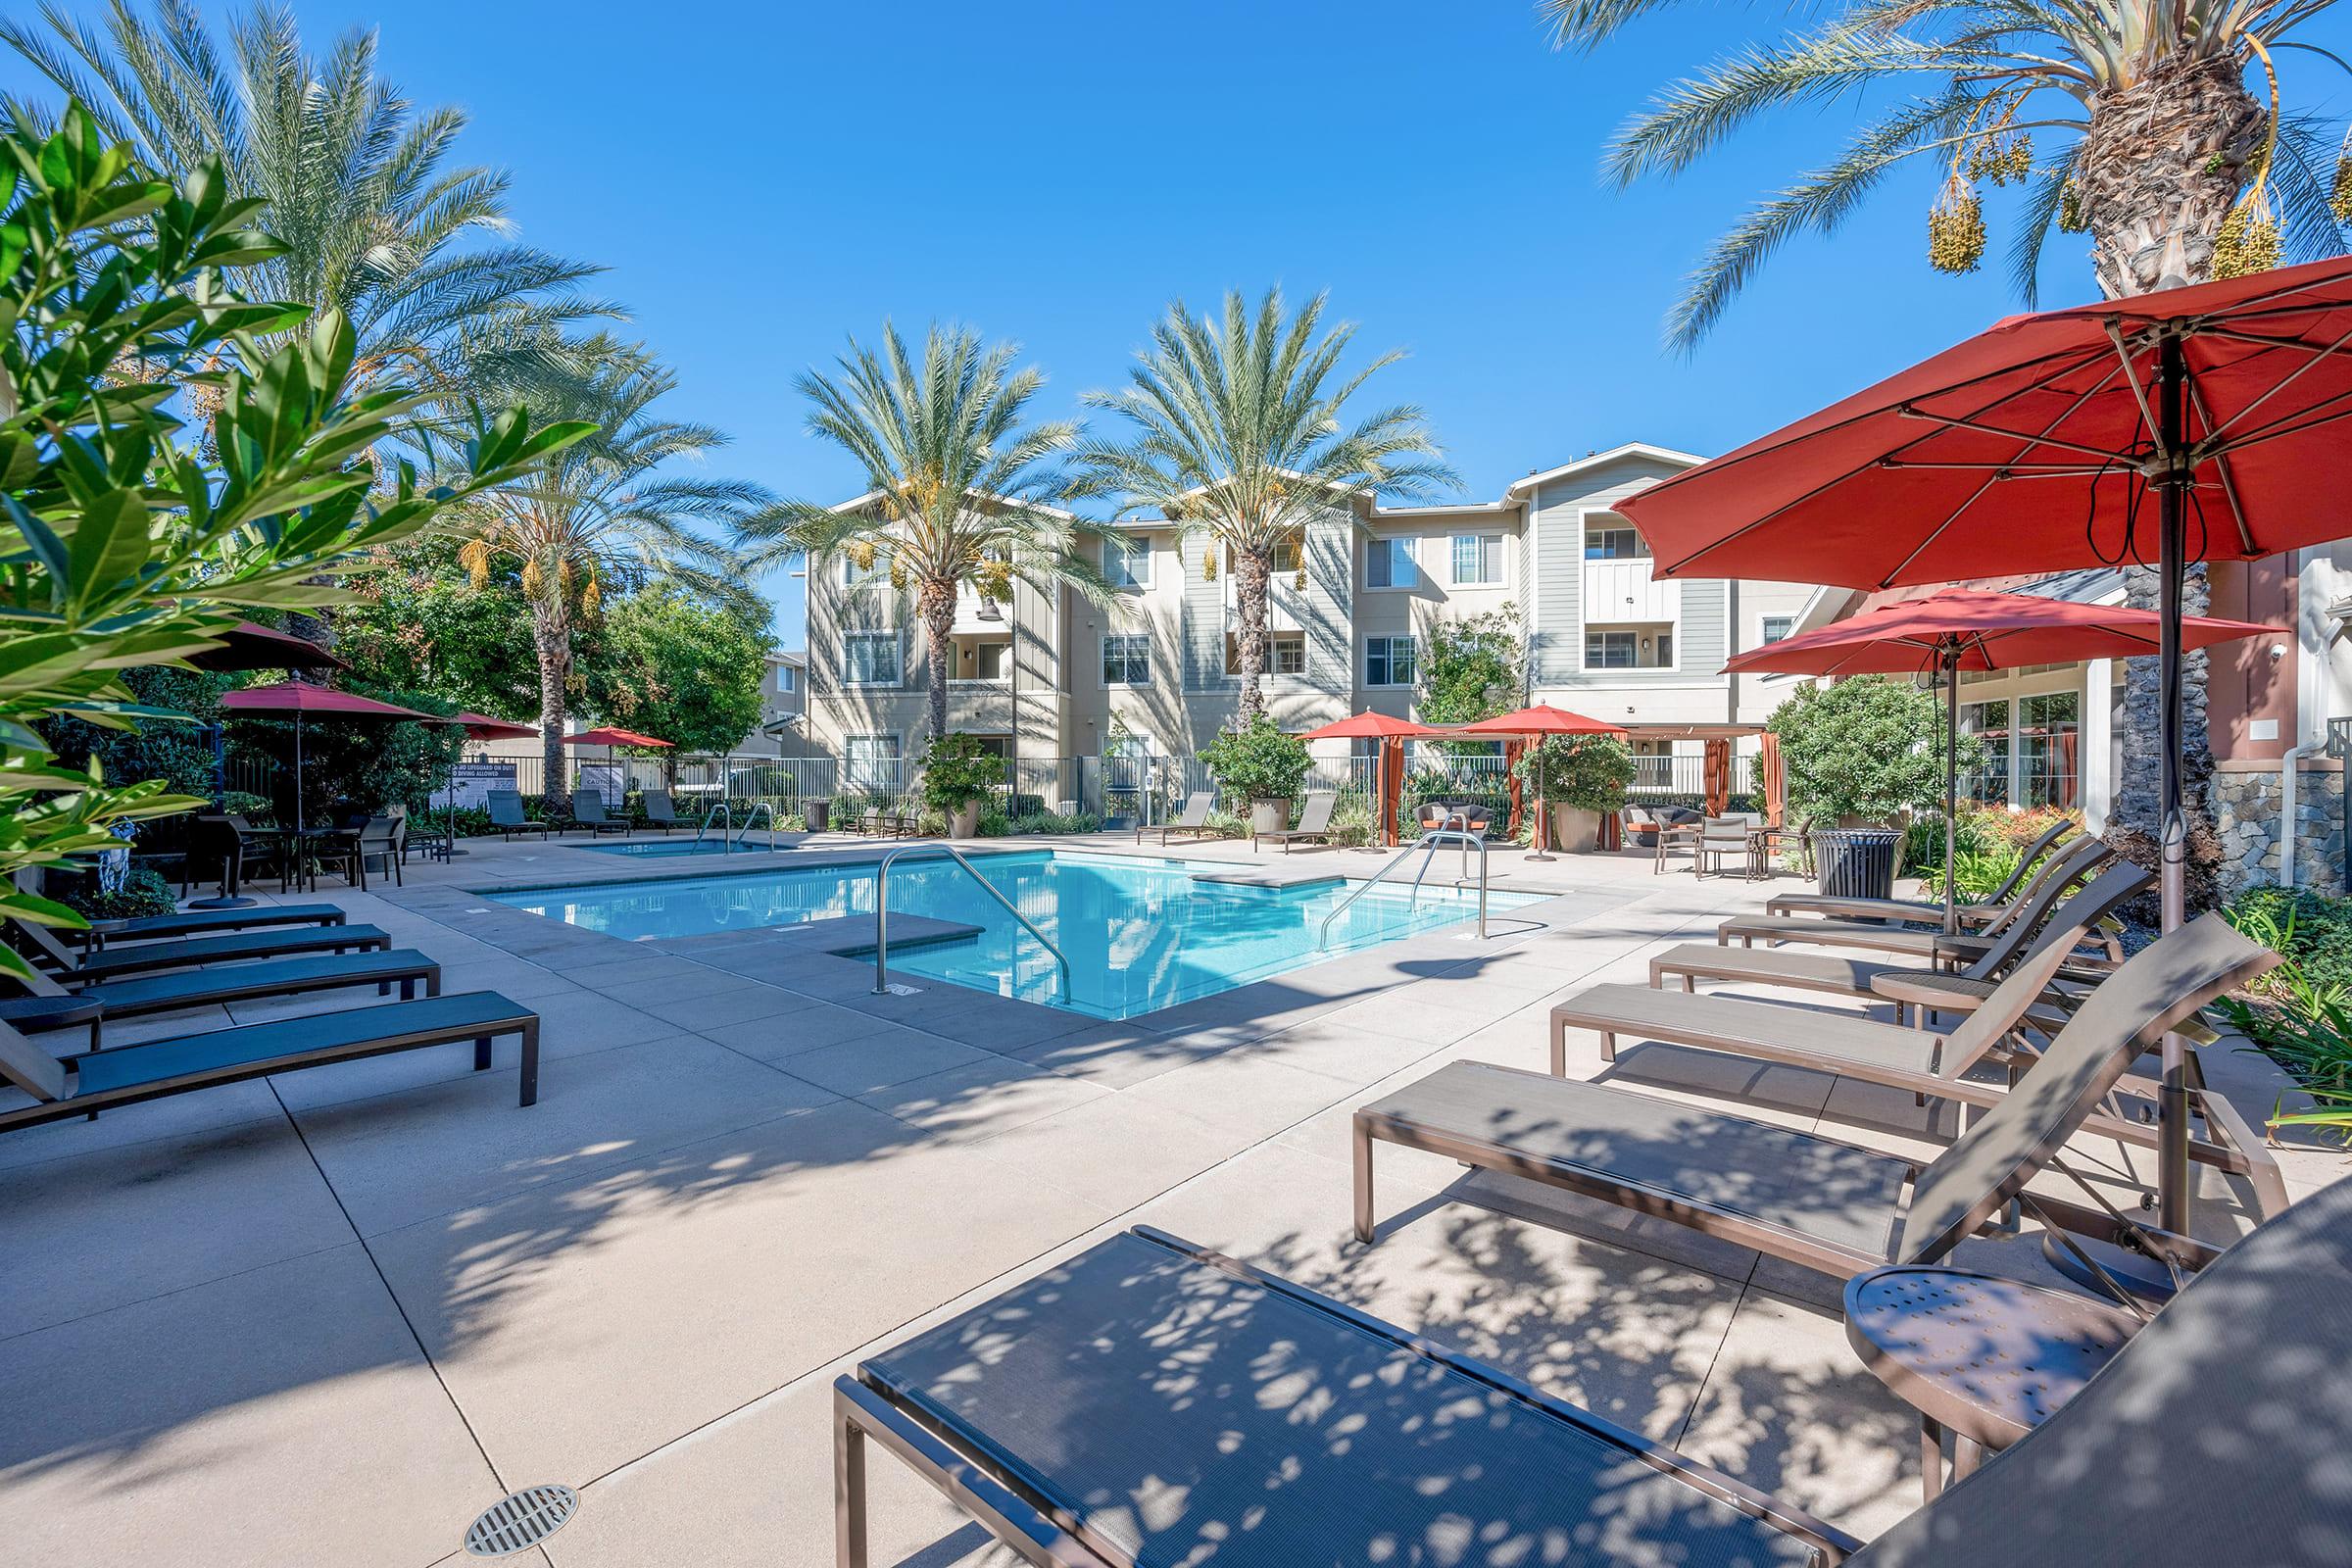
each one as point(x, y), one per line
point(1042, 1413)
point(659, 812)
point(1796, 970)
point(588, 811)
point(2069, 870)
point(240, 848)
point(375, 838)
point(1721, 838)
point(1676, 836)
point(40, 943)
point(2023, 877)
point(506, 816)
point(1193, 821)
point(1314, 823)
point(50, 1006)
point(1817, 1202)
point(89, 1082)
point(1932, 1066)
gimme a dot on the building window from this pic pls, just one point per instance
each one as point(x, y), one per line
point(1777, 627)
point(1127, 660)
point(1286, 652)
point(2048, 762)
point(869, 659)
point(788, 679)
point(1614, 540)
point(1127, 562)
point(1390, 564)
point(992, 660)
point(1477, 559)
point(1389, 661)
point(1988, 723)
point(1635, 648)
point(852, 574)
point(871, 763)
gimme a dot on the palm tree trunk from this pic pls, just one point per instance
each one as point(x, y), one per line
point(551, 635)
point(2163, 160)
point(1253, 571)
point(935, 601)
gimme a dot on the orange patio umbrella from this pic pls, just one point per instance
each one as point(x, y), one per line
point(1537, 722)
point(1391, 733)
point(608, 737)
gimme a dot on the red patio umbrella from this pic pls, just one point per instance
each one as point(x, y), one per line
point(609, 737)
point(1966, 628)
point(247, 646)
point(304, 701)
point(1536, 722)
point(2031, 447)
point(1392, 734)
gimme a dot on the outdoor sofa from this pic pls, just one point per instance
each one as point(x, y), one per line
point(1151, 1402)
point(54, 1088)
point(1818, 1201)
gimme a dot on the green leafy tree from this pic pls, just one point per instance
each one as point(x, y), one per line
point(1472, 668)
point(606, 514)
point(1257, 762)
point(1238, 432)
point(960, 488)
point(680, 670)
point(1868, 749)
point(127, 547)
point(416, 622)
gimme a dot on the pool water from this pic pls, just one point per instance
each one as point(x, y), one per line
point(1140, 934)
point(671, 848)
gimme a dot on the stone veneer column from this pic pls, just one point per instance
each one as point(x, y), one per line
point(2245, 803)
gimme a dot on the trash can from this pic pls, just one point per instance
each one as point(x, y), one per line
point(817, 814)
point(1856, 863)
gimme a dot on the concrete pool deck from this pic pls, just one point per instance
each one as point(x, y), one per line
point(327, 1319)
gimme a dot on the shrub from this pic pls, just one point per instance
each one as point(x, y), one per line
point(1868, 749)
point(1351, 823)
point(1226, 825)
point(1056, 822)
point(255, 809)
point(1588, 772)
point(1260, 762)
point(958, 769)
point(143, 892)
point(1980, 874)
point(2300, 1013)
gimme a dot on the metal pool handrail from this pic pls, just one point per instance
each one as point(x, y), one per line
point(750, 820)
point(1430, 842)
point(715, 814)
point(882, 913)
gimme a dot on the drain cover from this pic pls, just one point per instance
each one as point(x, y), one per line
point(898, 990)
point(525, 1519)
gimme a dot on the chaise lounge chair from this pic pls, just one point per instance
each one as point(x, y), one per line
point(50, 1006)
point(1194, 820)
point(1924, 940)
point(661, 812)
point(2033, 863)
point(100, 1080)
point(1818, 1201)
point(142, 957)
point(1314, 825)
point(588, 811)
point(206, 922)
point(1151, 1402)
point(506, 816)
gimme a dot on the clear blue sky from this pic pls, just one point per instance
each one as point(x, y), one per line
point(763, 179)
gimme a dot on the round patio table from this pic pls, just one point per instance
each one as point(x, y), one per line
point(1982, 1357)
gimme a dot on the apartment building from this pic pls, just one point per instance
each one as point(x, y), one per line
point(1054, 676)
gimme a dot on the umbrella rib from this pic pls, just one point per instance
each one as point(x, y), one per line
point(2011, 470)
point(1954, 422)
point(2221, 467)
point(2286, 424)
point(2215, 432)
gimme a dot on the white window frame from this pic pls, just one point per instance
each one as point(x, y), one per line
point(1764, 636)
point(895, 755)
point(1390, 546)
point(788, 679)
point(898, 647)
point(1102, 662)
point(1233, 670)
point(1453, 560)
point(1604, 521)
point(1388, 651)
point(1132, 551)
point(1671, 630)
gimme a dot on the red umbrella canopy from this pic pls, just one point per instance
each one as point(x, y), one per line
point(247, 646)
point(611, 737)
point(1370, 727)
point(1987, 631)
point(295, 696)
point(1541, 719)
point(2031, 447)
point(482, 727)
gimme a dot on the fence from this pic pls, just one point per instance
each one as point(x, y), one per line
point(1669, 775)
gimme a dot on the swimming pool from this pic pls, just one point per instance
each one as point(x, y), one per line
point(1142, 934)
point(671, 848)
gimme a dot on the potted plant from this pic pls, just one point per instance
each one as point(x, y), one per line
point(1263, 766)
point(958, 772)
point(1581, 777)
point(1861, 756)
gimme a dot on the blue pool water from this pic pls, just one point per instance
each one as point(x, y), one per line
point(1140, 934)
point(667, 848)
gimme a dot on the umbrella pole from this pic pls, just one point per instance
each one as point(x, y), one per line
point(1542, 809)
point(1952, 789)
point(298, 823)
point(2171, 1143)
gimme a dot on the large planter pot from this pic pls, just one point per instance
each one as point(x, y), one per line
point(1269, 817)
point(1856, 863)
point(1574, 830)
point(965, 821)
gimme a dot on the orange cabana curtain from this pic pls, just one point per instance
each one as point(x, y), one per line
point(1776, 782)
point(1511, 751)
point(1392, 783)
point(1719, 777)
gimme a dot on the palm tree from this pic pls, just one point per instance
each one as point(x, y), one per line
point(1237, 434)
point(960, 489)
point(2152, 143)
point(599, 515)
